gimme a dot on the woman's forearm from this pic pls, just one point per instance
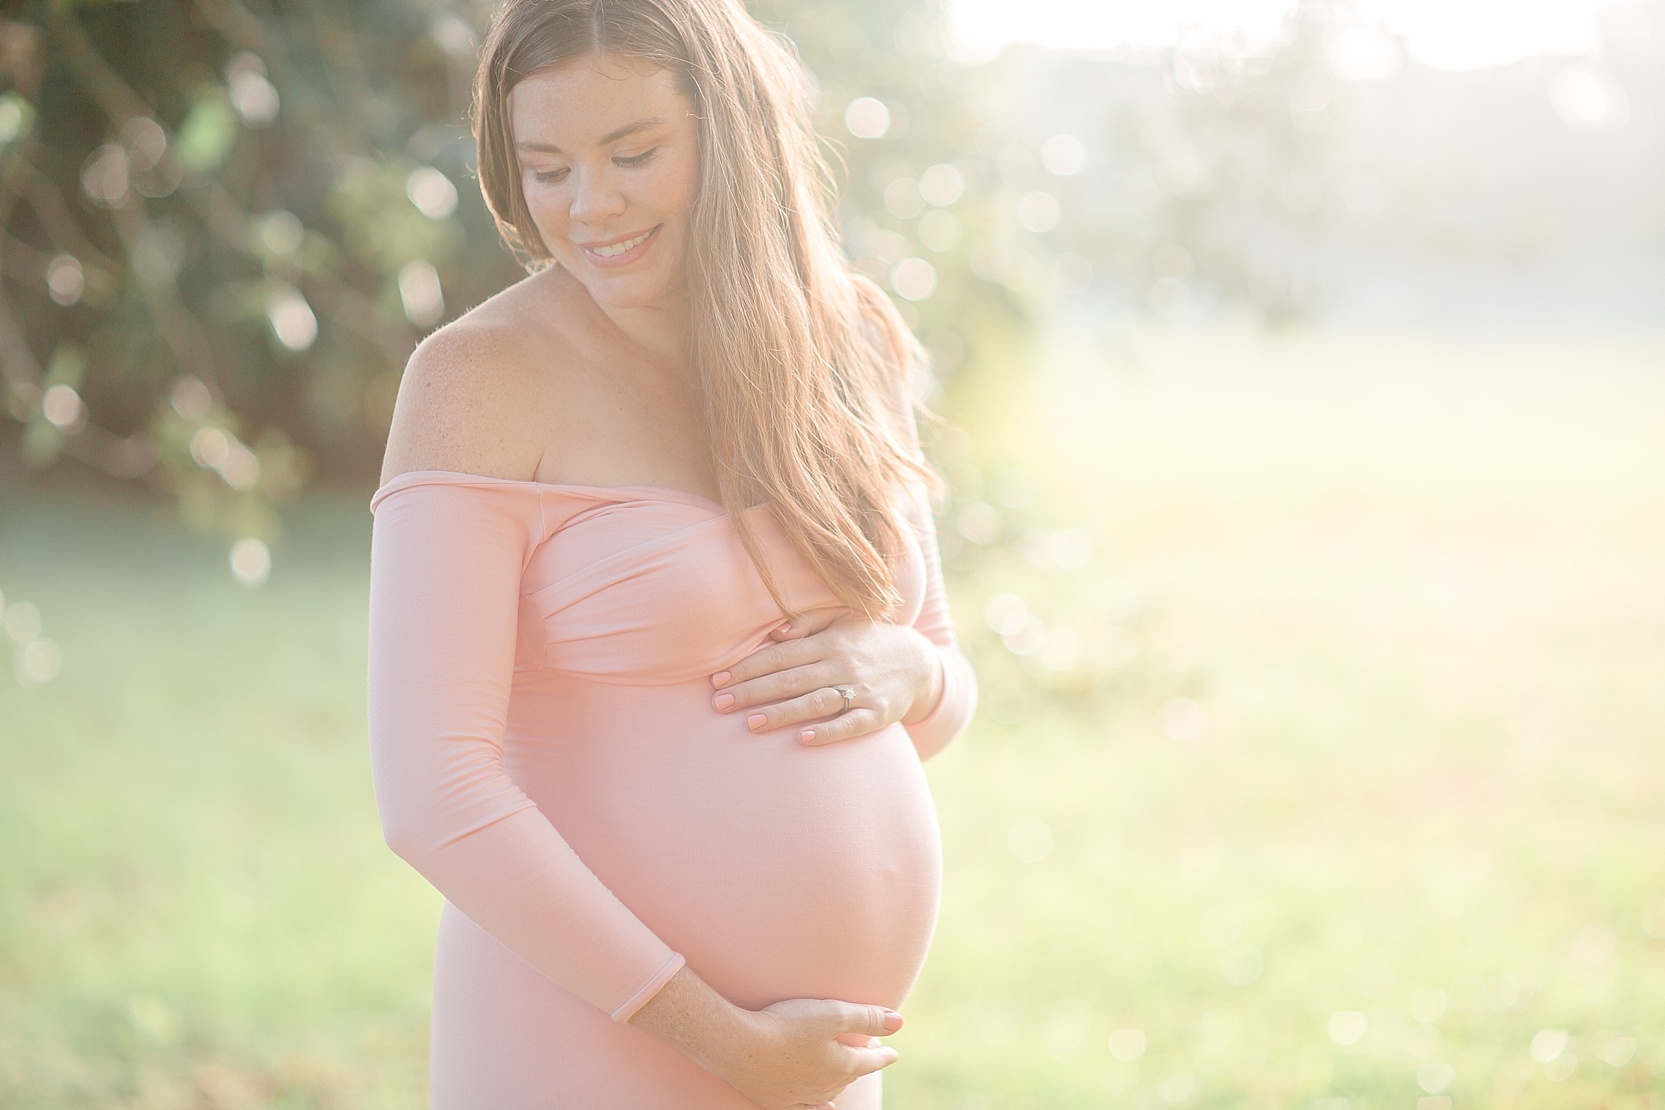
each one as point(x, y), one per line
point(691, 1016)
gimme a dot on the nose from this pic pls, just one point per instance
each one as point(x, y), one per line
point(596, 199)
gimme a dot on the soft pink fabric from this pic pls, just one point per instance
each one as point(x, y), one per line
point(546, 754)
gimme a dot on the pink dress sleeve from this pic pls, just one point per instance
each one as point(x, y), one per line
point(445, 570)
point(951, 715)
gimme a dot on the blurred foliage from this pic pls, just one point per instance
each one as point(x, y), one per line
point(224, 231)
point(226, 223)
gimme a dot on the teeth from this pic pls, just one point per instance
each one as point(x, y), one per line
point(619, 248)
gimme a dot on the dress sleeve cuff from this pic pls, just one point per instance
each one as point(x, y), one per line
point(636, 1001)
point(954, 708)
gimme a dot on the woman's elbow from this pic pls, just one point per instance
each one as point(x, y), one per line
point(405, 837)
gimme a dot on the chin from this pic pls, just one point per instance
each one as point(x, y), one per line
point(632, 292)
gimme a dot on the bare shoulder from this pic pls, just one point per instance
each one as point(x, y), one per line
point(469, 395)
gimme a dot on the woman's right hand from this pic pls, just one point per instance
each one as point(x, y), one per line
point(802, 1052)
point(794, 1054)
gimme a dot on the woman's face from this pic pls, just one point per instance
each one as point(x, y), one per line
point(609, 165)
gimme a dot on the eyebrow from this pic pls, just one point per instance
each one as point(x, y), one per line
point(611, 137)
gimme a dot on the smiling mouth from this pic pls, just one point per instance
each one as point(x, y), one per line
point(613, 250)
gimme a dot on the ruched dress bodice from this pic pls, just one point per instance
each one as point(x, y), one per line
point(546, 753)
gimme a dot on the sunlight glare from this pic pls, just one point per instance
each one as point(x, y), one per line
point(1446, 34)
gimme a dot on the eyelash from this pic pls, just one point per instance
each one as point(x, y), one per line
point(552, 177)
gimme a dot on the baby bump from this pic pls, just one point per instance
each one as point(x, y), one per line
point(778, 871)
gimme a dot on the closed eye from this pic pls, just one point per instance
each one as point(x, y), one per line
point(549, 177)
point(637, 159)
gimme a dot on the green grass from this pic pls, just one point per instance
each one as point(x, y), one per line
point(1417, 585)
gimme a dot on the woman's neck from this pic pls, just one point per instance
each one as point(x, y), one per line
point(660, 330)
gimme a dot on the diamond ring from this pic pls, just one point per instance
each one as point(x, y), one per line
point(848, 693)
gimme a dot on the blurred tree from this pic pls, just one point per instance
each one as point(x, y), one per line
point(917, 194)
point(1172, 181)
point(224, 225)
point(223, 233)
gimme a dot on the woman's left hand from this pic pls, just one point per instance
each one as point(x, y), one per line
point(895, 671)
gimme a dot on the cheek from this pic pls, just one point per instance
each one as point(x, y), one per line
point(675, 191)
point(548, 205)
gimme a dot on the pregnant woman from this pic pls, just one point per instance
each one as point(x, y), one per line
point(658, 638)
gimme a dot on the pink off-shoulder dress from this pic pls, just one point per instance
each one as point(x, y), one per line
point(545, 752)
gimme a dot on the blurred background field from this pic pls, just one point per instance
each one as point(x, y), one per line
point(1305, 368)
point(1363, 801)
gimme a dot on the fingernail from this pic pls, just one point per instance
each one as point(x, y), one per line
point(807, 735)
point(719, 678)
point(755, 720)
point(787, 627)
point(893, 1020)
point(723, 701)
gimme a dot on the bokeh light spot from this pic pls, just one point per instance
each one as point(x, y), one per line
point(1005, 613)
point(190, 398)
point(942, 184)
point(281, 232)
point(1127, 1045)
point(1617, 1050)
point(1030, 840)
point(37, 663)
point(145, 141)
point(65, 280)
point(1061, 650)
point(420, 293)
point(240, 467)
point(1435, 1078)
point(903, 199)
point(979, 522)
point(62, 406)
point(1548, 1044)
point(432, 192)
point(867, 118)
point(104, 176)
point(210, 447)
point(1038, 212)
point(1177, 1090)
point(1346, 1027)
point(1183, 719)
point(254, 97)
point(292, 320)
point(913, 278)
point(1428, 1004)
point(1064, 155)
point(22, 620)
point(251, 561)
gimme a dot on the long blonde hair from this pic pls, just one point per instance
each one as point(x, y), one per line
point(796, 355)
